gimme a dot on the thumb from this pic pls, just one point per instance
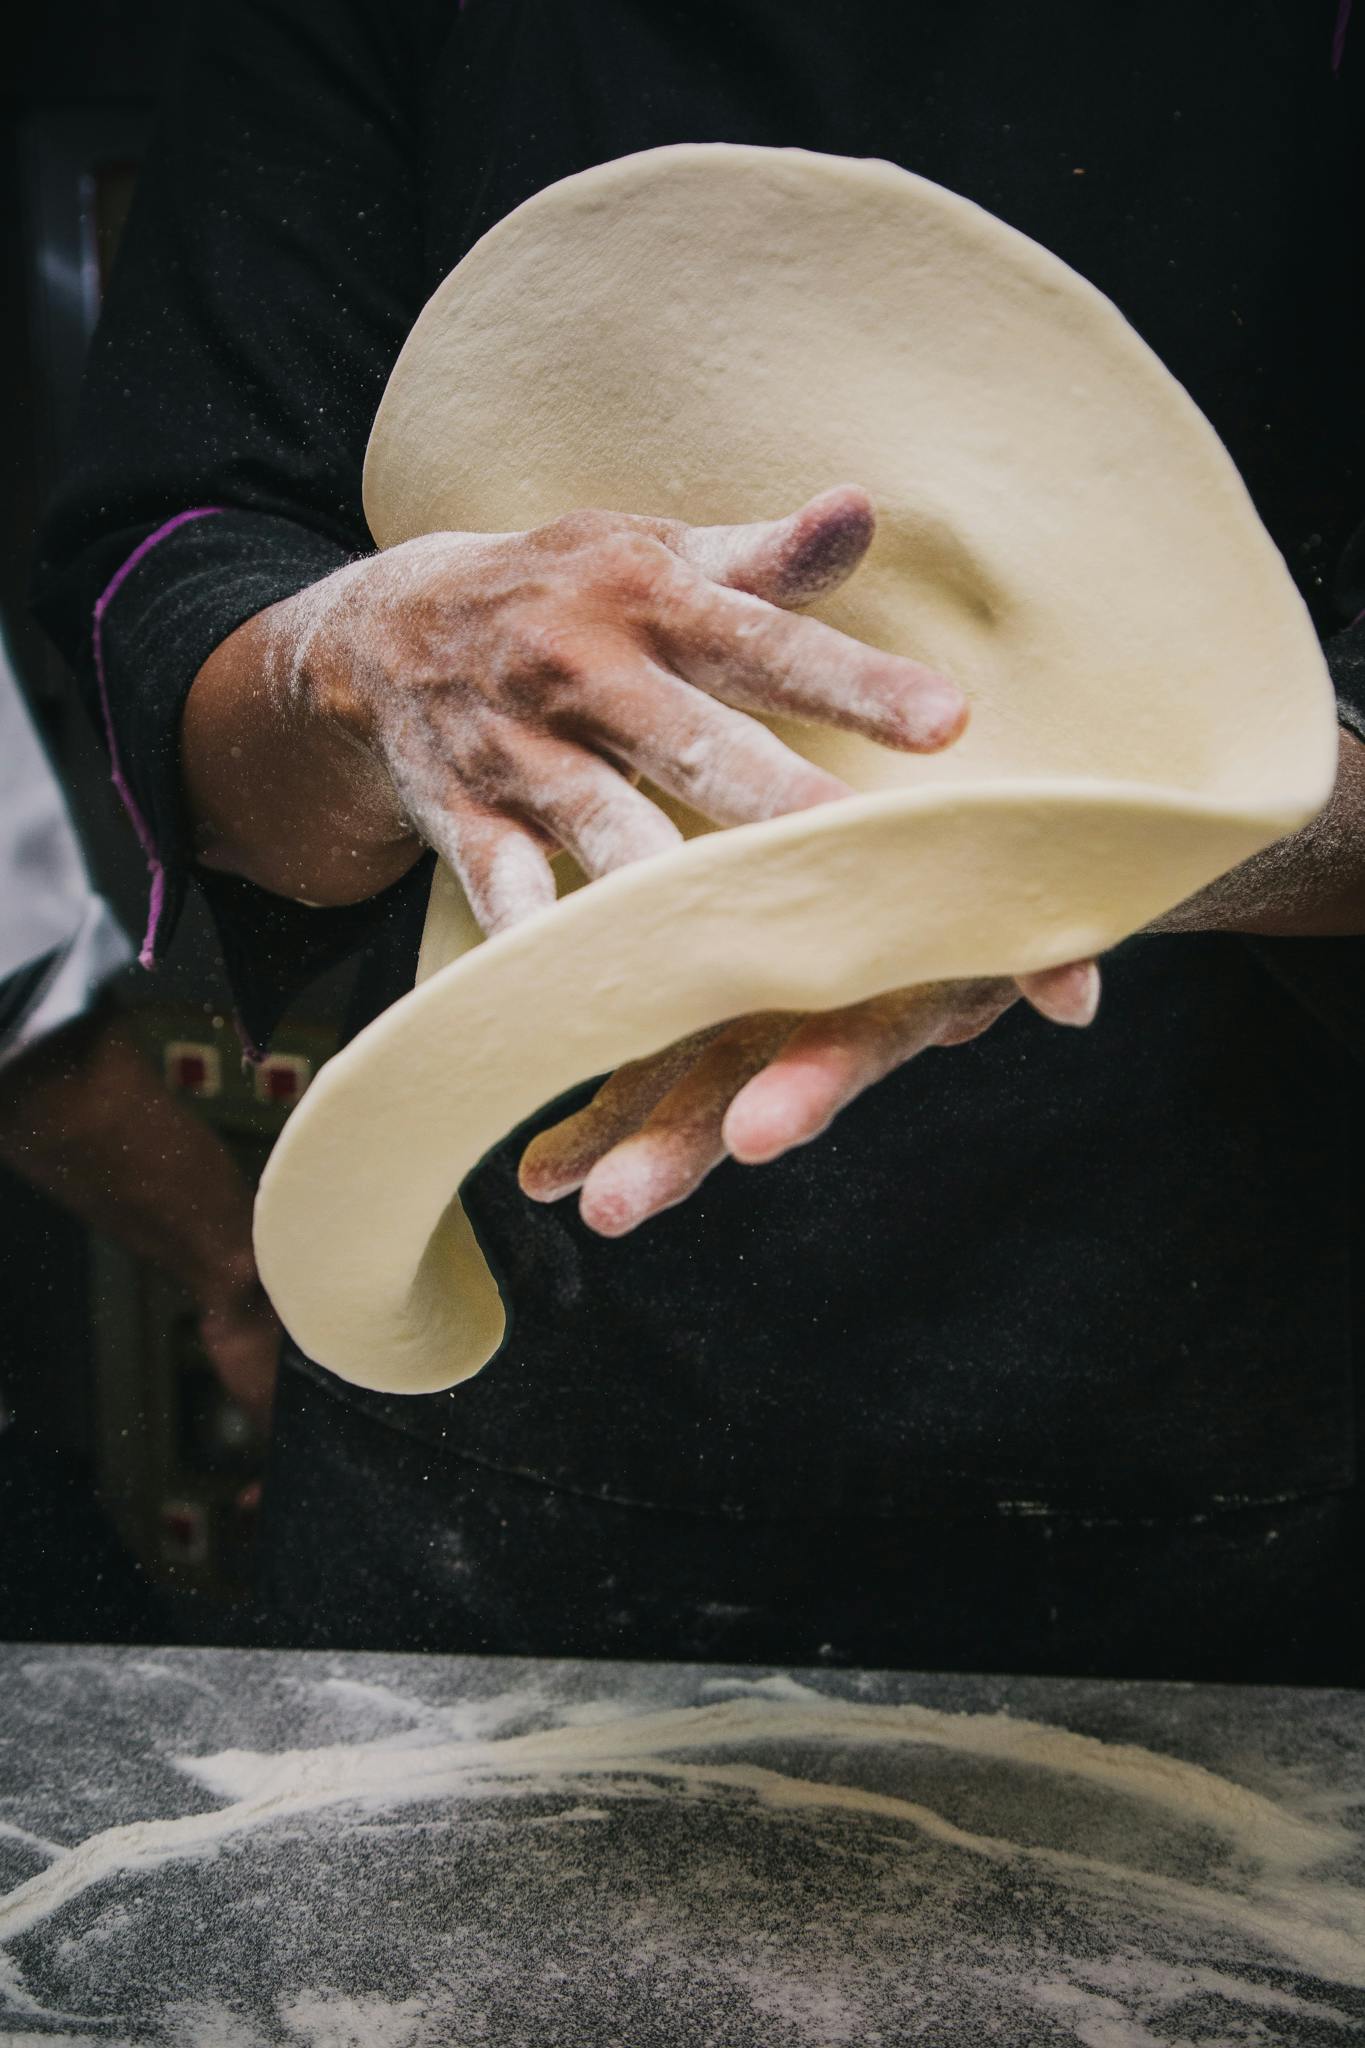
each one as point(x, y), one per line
point(791, 561)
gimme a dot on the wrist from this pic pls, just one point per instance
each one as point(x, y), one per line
point(1309, 885)
point(282, 786)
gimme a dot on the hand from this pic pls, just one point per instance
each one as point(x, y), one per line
point(753, 1089)
point(494, 695)
point(241, 1339)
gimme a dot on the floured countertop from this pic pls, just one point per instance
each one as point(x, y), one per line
point(227, 1849)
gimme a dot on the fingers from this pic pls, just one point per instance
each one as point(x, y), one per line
point(755, 1089)
point(831, 1058)
point(726, 766)
point(571, 798)
point(559, 1160)
point(758, 658)
point(587, 805)
point(748, 654)
point(501, 864)
point(681, 1141)
point(792, 561)
point(758, 1089)
point(1064, 995)
point(544, 666)
point(503, 870)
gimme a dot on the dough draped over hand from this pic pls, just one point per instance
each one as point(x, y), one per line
point(716, 333)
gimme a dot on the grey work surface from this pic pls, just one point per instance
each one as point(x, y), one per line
point(489, 1851)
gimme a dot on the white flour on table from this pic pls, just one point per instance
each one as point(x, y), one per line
point(1262, 1877)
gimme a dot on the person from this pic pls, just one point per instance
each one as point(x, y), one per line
point(85, 1118)
point(1045, 1355)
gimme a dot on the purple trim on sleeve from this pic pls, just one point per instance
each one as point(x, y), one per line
point(157, 899)
point(1339, 33)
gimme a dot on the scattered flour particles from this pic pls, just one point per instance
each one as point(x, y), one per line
point(772, 1863)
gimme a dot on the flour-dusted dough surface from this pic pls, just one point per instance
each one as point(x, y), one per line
point(716, 333)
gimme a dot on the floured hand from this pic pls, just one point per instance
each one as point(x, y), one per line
point(496, 695)
point(755, 1088)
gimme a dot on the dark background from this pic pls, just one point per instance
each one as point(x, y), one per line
point(120, 1486)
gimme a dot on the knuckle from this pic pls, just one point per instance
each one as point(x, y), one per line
point(614, 826)
point(633, 567)
point(700, 760)
point(731, 632)
point(723, 775)
point(580, 529)
point(591, 817)
point(613, 561)
point(601, 810)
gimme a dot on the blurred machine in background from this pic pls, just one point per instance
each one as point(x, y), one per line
point(102, 1350)
point(173, 1454)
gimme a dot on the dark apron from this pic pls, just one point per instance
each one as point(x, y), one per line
point(1044, 1356)
point(1041, 1359)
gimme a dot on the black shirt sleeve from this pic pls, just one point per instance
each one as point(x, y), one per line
point(270, 270)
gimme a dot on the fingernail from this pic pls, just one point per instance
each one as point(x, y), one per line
point(940, 715)
point(1081, 1000)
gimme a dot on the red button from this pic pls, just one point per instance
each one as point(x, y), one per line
point(282, 1078)
point(191, 1068)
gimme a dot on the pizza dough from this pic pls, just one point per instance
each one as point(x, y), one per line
point(716, 333)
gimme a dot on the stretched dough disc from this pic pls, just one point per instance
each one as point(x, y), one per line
point(717, 333)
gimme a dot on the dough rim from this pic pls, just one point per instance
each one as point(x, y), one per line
point(412, 1306)
point(601, 182)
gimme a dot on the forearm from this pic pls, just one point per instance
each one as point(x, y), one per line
point(85, 1118)
point(1309, 886)
point(277, 793)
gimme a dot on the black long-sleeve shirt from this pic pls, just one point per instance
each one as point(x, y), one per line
point(1105, 1272)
